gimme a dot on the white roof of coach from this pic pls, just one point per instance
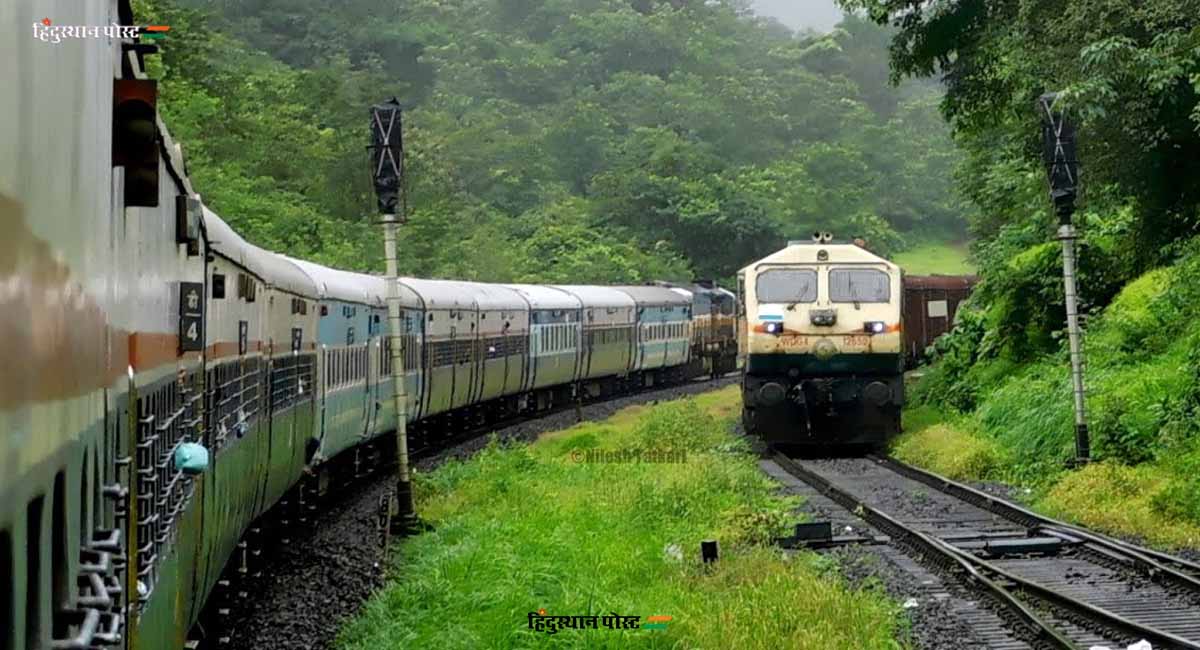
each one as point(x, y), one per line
point(806, 253)
point(272, 268)
point(594, 296)
point(546, 297)
point(443, 294)
point(337, 284)
point(223, 240)
point(690, 295)
point(497, 296)
point(654, 295)
point(377, 287)
point(281, 273)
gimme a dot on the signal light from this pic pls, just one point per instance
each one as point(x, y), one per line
point(387, 155)
point(135, 139)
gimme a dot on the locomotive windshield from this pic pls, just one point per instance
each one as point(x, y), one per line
point(859, 285)
point(787, 285)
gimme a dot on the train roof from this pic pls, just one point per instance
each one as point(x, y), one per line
point(497, 296)
point(961, 282)
point(337, 284)
point(281, 273)
point(272, 268)
point(651, 295)
point(806, 253)
point(546, 297)
point(595, 296)
point(223, 240)
point(443, 294)
point(377, 287)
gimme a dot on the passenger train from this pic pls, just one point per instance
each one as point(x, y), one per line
point(822, 345)
point(135, 322)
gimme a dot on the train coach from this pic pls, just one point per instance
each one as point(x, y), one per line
point(179, 383)
point(714, 327)
point(823, 345)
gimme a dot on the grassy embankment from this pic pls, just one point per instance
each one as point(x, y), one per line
point(1141, 379)
point(942, 258)
point(526, 527)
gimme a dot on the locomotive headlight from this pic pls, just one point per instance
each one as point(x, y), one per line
point(774, 328)
point(874, 327)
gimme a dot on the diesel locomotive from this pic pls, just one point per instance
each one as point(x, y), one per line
point(136, 325)
point(822, 345)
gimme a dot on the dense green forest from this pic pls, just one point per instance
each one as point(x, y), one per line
point(553, 140)
point(1130, 73)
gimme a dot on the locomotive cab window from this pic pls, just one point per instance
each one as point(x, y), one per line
point(859, 285)
point(786, 286)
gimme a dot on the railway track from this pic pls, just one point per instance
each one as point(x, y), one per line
point(1051, 584)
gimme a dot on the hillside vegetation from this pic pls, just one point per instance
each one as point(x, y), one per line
point(1131, 76)
point(553, 140)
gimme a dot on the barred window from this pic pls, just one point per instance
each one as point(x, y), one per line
point(500, 346)
point(385, 356)
point(442, 353)
point(411, 351)
point(859, 285)
point(462, 350)
point(787, 285)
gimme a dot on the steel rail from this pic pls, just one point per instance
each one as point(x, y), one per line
point(1040, 629)
point(977, 567)
point(1157, 565)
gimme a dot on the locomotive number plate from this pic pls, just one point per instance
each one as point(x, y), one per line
point(858, 341)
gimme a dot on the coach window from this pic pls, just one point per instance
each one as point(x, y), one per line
point(786, 286)
point(859, 285)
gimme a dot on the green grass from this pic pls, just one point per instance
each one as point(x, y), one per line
point(1140, 501)
point(936, 259)
point(1143, 398)
point(950, 448)
point(1121, 499)
point(526, 527)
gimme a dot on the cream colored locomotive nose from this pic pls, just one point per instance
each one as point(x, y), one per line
point(825, 349)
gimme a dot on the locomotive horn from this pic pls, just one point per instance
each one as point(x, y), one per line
point(826, 237)
point(817, 237)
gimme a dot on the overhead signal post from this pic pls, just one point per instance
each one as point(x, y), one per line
point(1062, 169)
point(387, 174)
